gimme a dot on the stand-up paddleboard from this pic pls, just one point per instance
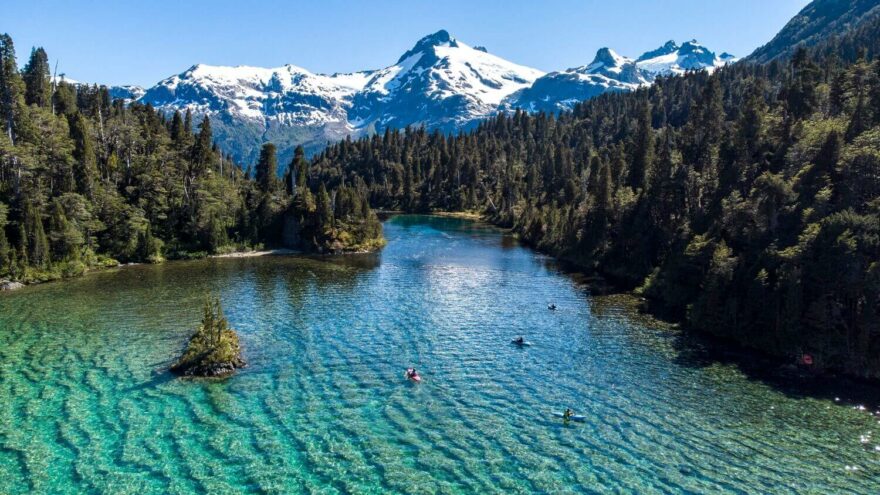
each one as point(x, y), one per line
point(412, 375)
point(573, 417)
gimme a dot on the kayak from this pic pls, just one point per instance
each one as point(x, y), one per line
point(573, 417)
point(413, 376)
point(521, 344)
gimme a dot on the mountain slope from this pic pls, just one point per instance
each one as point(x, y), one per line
point(440, 83)
point(818, 21)
point(611, 72)
point(251, 105)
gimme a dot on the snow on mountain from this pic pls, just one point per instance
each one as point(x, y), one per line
point(674, 59)
point(289, 93)
point(127, 93)
point(612, 72)
point(288, 105)
point(559, 91)
point(440, 83)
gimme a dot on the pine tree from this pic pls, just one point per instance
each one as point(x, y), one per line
point(11, 87)
point(324, 208)
point(643, 154)
point(408, 195)
point(202, 154)
point(267, 169)
point(291, 177)
point(86, 169)
point(5, 261)
point(64, 99)
point(187, 123)
point(801, 90)
point(38, 83)
point(860, 121)
point(177, 130)
point(36, 241)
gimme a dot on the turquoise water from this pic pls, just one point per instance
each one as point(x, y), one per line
point(87, 406)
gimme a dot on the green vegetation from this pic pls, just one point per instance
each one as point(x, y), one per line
point(744, 203)
point(214, 349)
point(86, 182)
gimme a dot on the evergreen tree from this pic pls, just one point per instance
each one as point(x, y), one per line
point(11, 87)
point(202, 153)
point(267, 169)
point(291, 177)
point(37, 79)
point(177, 131)
point(86, 169)
point(35, 237)
point(643, 154)
point(325, 210)
point(5, 262)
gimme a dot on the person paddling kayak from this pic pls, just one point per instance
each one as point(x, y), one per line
point(519, 341)
point(551, 307)
point(413, 375)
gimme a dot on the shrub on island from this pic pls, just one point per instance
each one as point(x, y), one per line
point(213, 350)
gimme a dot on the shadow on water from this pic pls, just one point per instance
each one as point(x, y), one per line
point(160, 377)
point(702, 351)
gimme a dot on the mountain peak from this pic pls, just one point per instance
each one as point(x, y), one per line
point(693, 46)
point(669, 47)
point(608, 58)
point(440, 38)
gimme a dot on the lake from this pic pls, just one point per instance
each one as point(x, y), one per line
point(87, 404)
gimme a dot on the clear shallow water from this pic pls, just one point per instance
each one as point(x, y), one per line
point(86, 405)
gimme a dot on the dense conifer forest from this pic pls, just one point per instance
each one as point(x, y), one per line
point(88, 182)
point(745, 203)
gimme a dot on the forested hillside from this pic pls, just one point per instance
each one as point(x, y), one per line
point(815, 24)
point(86, 182)
point(745, 204)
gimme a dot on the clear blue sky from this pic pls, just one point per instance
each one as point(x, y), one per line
point(123, 42)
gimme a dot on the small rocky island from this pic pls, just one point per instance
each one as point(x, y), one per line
point(213, 351)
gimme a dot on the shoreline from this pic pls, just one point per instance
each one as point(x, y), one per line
point(258, 253)
point(463, 215)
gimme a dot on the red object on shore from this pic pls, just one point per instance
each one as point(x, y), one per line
point(807, 359)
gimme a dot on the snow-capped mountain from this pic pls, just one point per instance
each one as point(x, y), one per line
point(562, 90)
point(250, 105)
point(440, 83)
point(609, 72)
point(127, 93)
point(673, 59)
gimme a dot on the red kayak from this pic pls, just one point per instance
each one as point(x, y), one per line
point(413, 375)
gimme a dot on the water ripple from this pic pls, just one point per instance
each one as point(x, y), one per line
point(87, 404)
